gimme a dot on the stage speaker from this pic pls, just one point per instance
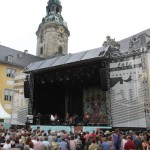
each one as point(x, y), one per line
point(104, 78)
point(26, 89)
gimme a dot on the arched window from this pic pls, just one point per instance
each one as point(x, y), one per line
point(41, 50)
point(53, 8)
point(57, 9)
point(60, 50)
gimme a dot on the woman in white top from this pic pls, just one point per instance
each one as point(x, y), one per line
point(7, 145)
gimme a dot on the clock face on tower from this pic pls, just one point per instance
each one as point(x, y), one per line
point(61, 30)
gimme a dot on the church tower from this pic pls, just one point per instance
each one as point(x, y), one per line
point(52, 33)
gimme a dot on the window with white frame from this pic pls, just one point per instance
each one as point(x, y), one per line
point(10, 73)
point(10, 58)
point(8, 94)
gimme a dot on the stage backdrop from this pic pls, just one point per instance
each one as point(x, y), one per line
point(146, 62)
point(127, 92)
point(95, 105)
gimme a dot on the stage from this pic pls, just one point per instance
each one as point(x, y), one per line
point(79, 91)
point(70, 128)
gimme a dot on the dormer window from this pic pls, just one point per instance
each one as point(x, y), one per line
point(10, 58)
point(20, 55)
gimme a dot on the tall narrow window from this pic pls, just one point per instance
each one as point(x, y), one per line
point(10, 58)
point(53, 8)
point(13, 73)
point(10, 73)
point(41, 50)
point(60, 50)
point(57, 9)
point(8, 95)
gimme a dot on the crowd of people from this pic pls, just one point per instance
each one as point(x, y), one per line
point(28, 139)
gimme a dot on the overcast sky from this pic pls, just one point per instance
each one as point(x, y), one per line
point(89, 21)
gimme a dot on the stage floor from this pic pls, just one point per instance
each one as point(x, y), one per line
point(70, 128)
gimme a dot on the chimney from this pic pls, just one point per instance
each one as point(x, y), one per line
point(26, 51)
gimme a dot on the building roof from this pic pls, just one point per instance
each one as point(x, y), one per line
point(124, 44)
point(21, 59)
point(80, 56)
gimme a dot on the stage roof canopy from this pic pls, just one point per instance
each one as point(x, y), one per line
point(83, 56)
point(67, 59)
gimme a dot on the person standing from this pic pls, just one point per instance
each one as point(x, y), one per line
point(123, 142)
point(129, 144)
point(93, 146)
point(105, 144)
point(116, 140)
point(72, 143)
point(63, 144)
point(38, 121)
point(54, 145)
point(39, 145)
point(138, 143)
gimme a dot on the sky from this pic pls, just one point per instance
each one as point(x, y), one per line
point(89, 22)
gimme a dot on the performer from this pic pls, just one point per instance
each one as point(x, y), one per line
point(70, 120)
point(86, 119)
point(27, 124)
point(48, 119)
point(52, 119)
point(67, 118)
point(73, 119)
point(56, 119)
point(38, 119)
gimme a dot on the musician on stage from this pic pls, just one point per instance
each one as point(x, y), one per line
point(67, 119)
point(74, 119)
point(56, 119)
point(38, 119)
point(86, 119)
point(27, 124)
point(52, 118)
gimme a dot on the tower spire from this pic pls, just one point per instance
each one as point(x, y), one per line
point(53, 33)
point(54, 6)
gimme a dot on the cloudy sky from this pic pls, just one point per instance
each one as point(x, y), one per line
point(89, 21)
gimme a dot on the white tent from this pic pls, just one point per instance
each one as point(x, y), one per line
point(3, 113)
